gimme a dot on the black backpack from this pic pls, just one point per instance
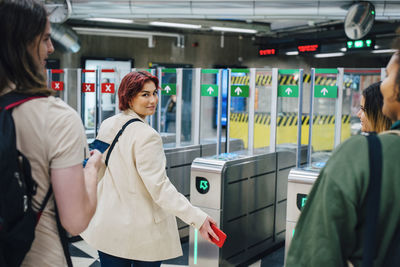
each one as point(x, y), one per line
point(17, 218)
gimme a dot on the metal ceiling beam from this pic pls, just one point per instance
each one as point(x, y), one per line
point(228, 9)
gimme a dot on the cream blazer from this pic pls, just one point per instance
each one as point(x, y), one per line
point(137, 204)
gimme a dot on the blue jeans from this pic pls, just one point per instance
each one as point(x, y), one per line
point(112, 261)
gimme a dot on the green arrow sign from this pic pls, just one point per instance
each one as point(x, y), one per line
point(240, 90)
point(168, 89)
point(325, 91)
point(209, 90)
point(288, 90)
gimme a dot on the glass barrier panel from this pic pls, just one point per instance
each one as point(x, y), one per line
point(262, 110)
point(354, 82)
point(187, 117)
point(287, 108)
point(239, 110)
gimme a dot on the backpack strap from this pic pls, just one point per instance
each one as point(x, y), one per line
point(63, 237)
point(372, 200)
point(117, 137)
point(13, 99)
point(44, 203)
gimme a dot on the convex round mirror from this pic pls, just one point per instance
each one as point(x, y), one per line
point(359, 20)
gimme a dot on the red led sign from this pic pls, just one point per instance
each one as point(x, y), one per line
point(267, 52)
point(308, 48)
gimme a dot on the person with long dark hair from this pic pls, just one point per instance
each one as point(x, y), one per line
point(370, 113)
point(135, 218)
point(48, 132)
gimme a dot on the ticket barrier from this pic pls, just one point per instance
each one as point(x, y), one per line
point(179, 160)
point(300, 182)
point(168, 138)
point(246, 196)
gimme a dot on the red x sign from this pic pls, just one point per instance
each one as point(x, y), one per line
point(88, 87)
point(108, 88)
point(58, 86)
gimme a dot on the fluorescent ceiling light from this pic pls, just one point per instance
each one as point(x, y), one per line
point(292, 53)
point(384, 51)
point(343, 49)
point(338, 54)
point(127, 21)
point(225, 29)
point(175, 25)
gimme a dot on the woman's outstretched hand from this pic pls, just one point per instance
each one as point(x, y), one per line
point(206, 231)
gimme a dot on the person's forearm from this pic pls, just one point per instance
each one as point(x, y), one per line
point(90, 174)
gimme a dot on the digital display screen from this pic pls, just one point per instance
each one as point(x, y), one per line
point(308, 48)
point(267, 52)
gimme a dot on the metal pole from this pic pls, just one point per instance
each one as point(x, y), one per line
point(338, 108)
point(383, 73)
point(66, 84)
point(98, 101)
point(299, 118)
point(151, 118)
point(79, 93)
point(228, 113)
point(159, 74)
point(252, 92)
point(178, 116)
point(310, 124)
point(219, 111)
point(196, 110)
point(274, 109)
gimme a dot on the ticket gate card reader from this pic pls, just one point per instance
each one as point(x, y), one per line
point(300, 182)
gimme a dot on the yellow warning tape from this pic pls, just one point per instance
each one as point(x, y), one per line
point(323, 129)
point(263, 80)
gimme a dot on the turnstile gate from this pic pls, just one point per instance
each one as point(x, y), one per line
point(246, 196)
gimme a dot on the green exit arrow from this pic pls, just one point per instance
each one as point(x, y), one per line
point(240, 90)
point(209, 90)
point(168, 89)
point(325, 91)
point(288, 90)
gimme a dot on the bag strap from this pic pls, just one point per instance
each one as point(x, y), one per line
point(117, 137)
point(13, 99)
point(63, 237)
point(44, 203)
point(372, 200)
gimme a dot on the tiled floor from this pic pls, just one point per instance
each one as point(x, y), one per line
point(85, 256)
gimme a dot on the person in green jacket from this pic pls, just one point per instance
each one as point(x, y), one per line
point(331, 226)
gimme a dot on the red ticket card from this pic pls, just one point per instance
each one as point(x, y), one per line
point(221, 235)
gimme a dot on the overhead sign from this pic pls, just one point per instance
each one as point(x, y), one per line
point(288, 90)
point(325, 91)
point(168, 89)
point(240, 90)
point(108, 88)
point(202, 185)
point(360, 44)
point(88, 87)
point(209, 90)
point(58, 86)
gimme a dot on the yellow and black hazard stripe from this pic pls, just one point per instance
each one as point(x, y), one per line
point(287, 119)
point(264, 80)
